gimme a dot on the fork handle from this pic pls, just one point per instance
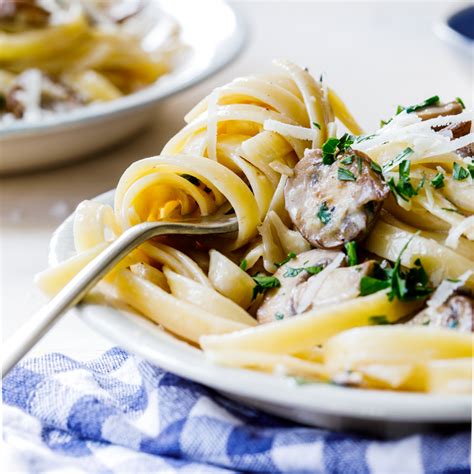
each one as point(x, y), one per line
point(37, 326)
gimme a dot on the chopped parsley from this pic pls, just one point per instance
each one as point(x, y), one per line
point(378, 320)
point(333, 146)
point(369, 285)
point(375, 166)
point(404, 188)
point(292, 272)
point(438, 181)
point(314, 270)
point(279, 316)
point(345, 175)
point(329, 150)
point(324, 213)
point(345, 142)
point(363, 138)
point(409, 285)
point(427, 102)
point(316, 125)
point(452, 210)
point(471, 169)
point(460, 173)
point(243, 264)
point(351, 249)
point(192, 179)
point(359, 165)
point(399, 110)
point(460, 101)
point(348, 160)
point(398, 159)
point(290, 256)
point(264, 283)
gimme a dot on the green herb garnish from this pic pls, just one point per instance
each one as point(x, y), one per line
point(363, 138)
point(452, 210)
point(329, 150)
point(243, 264)
point(369, 285)
point(324, 213)
point(398, 159)
point(333, 146)
point(460, 173)
point(290, 256)
point(405, 285)
point(345, 175)
point(376, 167)
point(315, 124)
point(314, 270)
point(192, 179)
point(292, 272)
point(345, 142)
point(460, 101)
point(378, 320)
point(438, 181)
point(279, 316)
point(404, 188)
point(264, 283)
point(471, 170)
point(348, 160)
point(430, 101)
point(351, 249)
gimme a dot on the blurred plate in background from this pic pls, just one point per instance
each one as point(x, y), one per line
point(214, 35)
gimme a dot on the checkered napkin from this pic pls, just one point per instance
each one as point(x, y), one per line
point(121, 414)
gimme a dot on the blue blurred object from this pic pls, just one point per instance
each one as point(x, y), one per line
point(458, 29)
point(462, 22)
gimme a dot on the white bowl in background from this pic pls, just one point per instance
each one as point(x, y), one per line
point(214, 34)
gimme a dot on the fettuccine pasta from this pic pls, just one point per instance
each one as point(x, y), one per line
point(319, 281)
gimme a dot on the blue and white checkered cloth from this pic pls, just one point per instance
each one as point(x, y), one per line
point(121, 414)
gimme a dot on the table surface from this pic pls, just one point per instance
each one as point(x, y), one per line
point(375, 54)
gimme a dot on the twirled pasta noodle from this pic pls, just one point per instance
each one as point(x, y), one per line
point(230, 158)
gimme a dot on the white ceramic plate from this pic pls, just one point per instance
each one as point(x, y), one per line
point(381, 412)
point(214, 34)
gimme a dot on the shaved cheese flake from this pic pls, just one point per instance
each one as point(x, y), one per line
point(446, 289)
point(467, 225)
point(295, 131)
point(281, 168)
point(419, 135)
point(315, 283)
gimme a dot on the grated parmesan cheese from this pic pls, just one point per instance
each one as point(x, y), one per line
point(315, 283)
point(467, 225)
point(287, 130)
point(445, 290)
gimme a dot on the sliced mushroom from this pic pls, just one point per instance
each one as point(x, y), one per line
point(438, 110)
point(20, 15)
point(334, 204)
point(298, 285)
point(442, 110)
point(278, 302)
point(456, 313)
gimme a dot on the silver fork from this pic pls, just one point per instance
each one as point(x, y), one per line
point(74, 291)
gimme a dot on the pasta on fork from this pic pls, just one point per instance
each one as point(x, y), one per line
point(354, 259)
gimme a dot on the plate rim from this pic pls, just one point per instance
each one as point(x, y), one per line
point(164, 87)
point(324, 399)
